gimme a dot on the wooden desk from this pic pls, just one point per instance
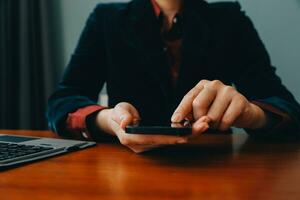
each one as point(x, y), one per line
point(226, 167)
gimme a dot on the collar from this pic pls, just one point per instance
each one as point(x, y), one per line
point(145, 9)
point(156, 8)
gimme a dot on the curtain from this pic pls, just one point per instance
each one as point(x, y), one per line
point(29, 61)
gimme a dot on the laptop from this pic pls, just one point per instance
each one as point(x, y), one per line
point(16, 150)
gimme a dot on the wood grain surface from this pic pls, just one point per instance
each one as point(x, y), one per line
point(214, 167)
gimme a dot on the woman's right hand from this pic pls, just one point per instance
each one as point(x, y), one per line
point(115, 120)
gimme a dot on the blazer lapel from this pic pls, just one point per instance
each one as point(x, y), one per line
point(141, 31)
point(196, 39)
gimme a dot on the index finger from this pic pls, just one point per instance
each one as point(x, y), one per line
point(186, 105)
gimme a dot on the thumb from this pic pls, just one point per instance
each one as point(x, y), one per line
point(125, 114)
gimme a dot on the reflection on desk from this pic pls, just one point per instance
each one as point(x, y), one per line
point(213, 167)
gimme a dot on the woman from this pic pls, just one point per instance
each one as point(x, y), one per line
point(170, 60)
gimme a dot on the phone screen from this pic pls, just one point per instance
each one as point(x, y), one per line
point(164, 128)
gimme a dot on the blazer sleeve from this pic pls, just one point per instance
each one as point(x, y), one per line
point(84, 77)
point(257, 79)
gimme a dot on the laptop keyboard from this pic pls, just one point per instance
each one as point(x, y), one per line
point(11, 150)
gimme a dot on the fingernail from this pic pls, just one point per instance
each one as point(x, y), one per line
point(200, 128)
point(182, 141)
point(176, 117)
point(122, 117)
point(122, 125)
point(136, 121)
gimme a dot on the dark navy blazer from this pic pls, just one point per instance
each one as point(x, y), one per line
point(121, 45)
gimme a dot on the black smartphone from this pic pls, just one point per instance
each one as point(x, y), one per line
point(179, 129)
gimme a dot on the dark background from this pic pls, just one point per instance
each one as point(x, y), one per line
point(30, 61)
